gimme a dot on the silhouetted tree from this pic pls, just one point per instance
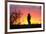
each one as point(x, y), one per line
point(14, 16)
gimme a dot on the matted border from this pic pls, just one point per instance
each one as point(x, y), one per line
point(24, 2)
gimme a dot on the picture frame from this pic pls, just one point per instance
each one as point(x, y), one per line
point(24, 4)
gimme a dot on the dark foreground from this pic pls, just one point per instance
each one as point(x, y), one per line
point(25, 26)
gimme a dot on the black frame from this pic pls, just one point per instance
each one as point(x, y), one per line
point(24, 2)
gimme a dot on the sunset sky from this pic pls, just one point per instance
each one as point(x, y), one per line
point(35, 13)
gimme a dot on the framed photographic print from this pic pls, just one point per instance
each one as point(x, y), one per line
point(25, 16)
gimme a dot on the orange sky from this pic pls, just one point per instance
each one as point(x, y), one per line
point(35, 12)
